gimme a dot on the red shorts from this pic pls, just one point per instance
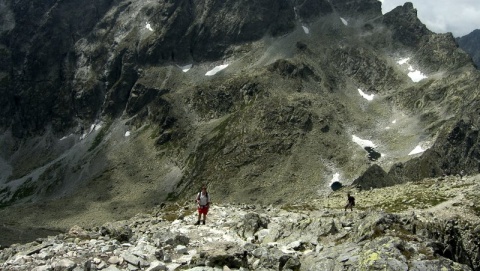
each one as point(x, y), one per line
point(203, 210)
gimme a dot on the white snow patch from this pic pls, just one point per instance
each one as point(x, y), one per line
point(127, 133)
point(65, 137)
point(366, 96)
point(344, 21)
point(403, 61)
point(418, 149)
point(416, 75)
point(305, 29)
point(186, 68)
point(216, 70)
point(394, 121)
point(148, 26)
point(362, 142)
point(336, 178)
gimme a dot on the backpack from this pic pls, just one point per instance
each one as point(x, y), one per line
point(198, 196)
point(351, 199)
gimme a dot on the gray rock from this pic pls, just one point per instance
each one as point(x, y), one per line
point(63, 264)
point(134, 260)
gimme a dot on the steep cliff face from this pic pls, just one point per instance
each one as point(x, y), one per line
point(470, 43)
point(127, 104)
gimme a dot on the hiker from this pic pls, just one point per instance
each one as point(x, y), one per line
point(350, 202)
point(203, 202)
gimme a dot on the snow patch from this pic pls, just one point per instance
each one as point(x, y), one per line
point(362, 142)
point(216, 70)
point(403, 61)
point(127, 133)
point(148, 26)
point(336, 178)
point(418, 149)
point(305, 29)
point(366, 96)
point(186, 68)
point(65, 137)
point(344, 21)
point(415, 75)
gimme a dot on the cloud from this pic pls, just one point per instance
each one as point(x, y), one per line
point(440, 16)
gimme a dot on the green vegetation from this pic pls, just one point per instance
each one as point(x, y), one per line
point(172, 212)
point(24, 190)
point(298, 207)
point(414, 200)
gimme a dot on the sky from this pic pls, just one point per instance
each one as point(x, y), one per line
point(440, 16)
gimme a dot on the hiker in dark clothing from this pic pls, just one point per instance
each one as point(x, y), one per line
point(350, 202)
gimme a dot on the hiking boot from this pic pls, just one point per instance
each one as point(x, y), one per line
point(198, 222)
point(203, 222)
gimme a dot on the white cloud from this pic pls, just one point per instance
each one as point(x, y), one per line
point(440, 16)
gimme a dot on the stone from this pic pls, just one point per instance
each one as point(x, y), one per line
point(63, 264)
point(157, 266)
point(134, 260)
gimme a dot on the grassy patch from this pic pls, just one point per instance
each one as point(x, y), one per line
point(171, 196)
point(419, 201)
point(25, 190)
point(172, 212)
point(298, 207)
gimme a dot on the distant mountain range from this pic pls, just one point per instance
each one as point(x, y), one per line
point(471, 44)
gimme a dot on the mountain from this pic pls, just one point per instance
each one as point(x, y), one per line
point(110, 108)
point(470, 43)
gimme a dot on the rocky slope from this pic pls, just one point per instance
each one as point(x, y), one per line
point(428, 225)
point(110, 108)
point(470, 43)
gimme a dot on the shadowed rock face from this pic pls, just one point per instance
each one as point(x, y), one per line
point(117, 103)
point(470, 43)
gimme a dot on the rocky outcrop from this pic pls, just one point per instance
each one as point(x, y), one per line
point(254, 238)
point(469, 43)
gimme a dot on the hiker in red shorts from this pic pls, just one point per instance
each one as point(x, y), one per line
point(203, 202)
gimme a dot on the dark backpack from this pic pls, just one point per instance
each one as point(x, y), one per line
point(351, 200)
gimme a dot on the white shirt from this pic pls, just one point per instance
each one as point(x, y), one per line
point(203, 198)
